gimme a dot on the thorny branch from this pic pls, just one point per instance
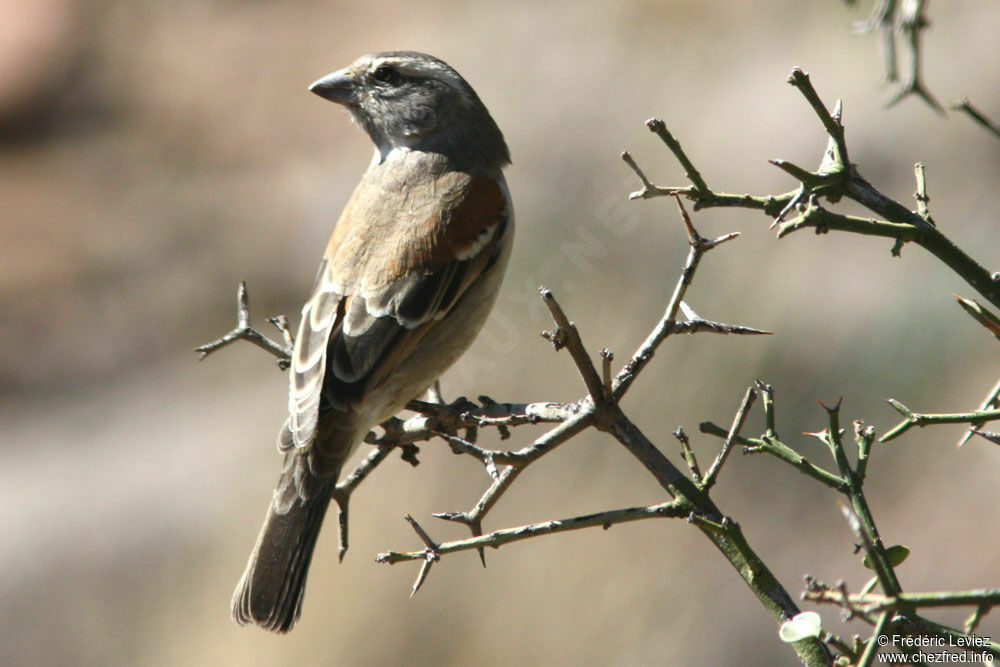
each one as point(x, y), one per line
point(243, 331)
point(978, 116)
point(892, 609)
point(835, 179)
point(904, 21)
point(432, 551)
point(901, 21)
point(976, 417)
point(458, 423)
point(903, 614)
point(598, 408)
point(667, 324)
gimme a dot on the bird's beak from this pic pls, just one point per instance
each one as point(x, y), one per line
point(339, 87)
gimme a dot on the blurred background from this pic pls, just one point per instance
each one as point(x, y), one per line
point(152, 155)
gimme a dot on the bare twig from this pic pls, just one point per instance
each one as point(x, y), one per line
point(570, 338)
point(992, 400)
point(741, 415)
point(488, 457)
point(972, 623)
point(877, 602)
point(708, 326)
point(921, 194)
point(607, 356)
point(911, 23)
point(923, 419)
point(908, 20)
point(770, 421)
point(976, 115)
point(430, 555)
point(864, 437)
point(434, 419)
point(771, 445)
point(859, 515)
point(659, 128)
point(688, 454)
point(648, 189)
point(832, 123)
point(982, 315)
point(459, 414)
point(243, 331)
point(498, 538)
point(885, 576)
point(473, 518)
point(883, 20)
point(902, 609)
point(603, 412)
point(989, 436)
point(800, 196)
point(868, 657)
point(346, 486)
point(851, 611)
point(837, 178)
point(699, 246)
point(428, 542)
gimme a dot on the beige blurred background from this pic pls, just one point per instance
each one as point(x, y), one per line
point(154, 154)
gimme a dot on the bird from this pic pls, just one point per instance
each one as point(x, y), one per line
point(408, 279)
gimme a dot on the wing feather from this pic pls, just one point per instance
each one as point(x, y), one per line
point(374, 302)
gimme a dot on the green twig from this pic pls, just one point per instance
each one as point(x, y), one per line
point(660, 129)
point(924, 235)
point(954, 637)
point(767, 392)
point(741, 415)
point(776, 448)
point(924, 419)
point(864, 437)
point(992, 400)
point(688, 454)
point(980, 314)
point(836, 178)
point(865, 528)
point(832, 125)
point(873, 644)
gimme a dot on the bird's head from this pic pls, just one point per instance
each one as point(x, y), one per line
point(410, 100)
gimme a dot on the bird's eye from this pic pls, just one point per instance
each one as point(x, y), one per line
point(387, 74)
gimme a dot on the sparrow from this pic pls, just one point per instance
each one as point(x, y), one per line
point(408, 279)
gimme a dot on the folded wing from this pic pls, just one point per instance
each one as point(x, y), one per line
point(379, 293)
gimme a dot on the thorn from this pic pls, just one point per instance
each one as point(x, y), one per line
point(428, 542)
point(835, 408)
point(425, 569)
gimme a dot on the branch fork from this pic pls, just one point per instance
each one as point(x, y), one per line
point(243, 331)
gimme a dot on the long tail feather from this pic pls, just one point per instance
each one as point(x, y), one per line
point(270, 592)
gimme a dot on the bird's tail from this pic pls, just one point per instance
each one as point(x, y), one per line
point(270, 591)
